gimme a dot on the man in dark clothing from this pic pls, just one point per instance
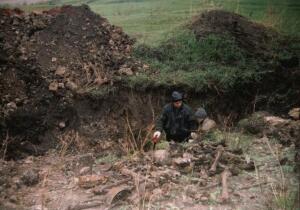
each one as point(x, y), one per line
point(176, 119)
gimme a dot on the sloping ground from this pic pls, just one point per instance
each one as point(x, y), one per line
point(225, 57)
point(47, 61)
point(254, 38)
point(182, 180)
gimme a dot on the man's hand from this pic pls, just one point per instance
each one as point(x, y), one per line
point(156, 136)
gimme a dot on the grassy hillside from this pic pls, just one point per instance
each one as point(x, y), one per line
point(151, 20)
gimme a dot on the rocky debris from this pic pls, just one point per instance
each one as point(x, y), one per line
point(117, 194)
point(161, 157)
point(255, 124)
point(89, 181)
point(262, 123)
point(30, 177)
point(53, 86)
point(85, 170)
point(78, 163)
point(295, 113)
point(208, 124)
point(62, 125)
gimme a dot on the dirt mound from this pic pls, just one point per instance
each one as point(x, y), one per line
point(254, 38)
point(46, 59)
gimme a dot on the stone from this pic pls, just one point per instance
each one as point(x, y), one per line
point(61, 85)
point(208, 125)
point(85, 170)
point(161, 157)
point(71, 85)
point(30, 177)
point(53, 86)
point(181, 162)
point(295, 113)
point(11, 105)
point(54, 59)
point(89, 181)
point(126, 71)
point(273, 120)
point(60, 71)
point(62, 125)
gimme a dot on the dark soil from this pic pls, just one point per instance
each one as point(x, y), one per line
point(46, 60)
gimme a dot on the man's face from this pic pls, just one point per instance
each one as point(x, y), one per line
point(177, 104)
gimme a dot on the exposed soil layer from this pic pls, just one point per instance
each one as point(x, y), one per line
point(46, 60)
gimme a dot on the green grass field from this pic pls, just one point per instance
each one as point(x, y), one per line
point(150, 21)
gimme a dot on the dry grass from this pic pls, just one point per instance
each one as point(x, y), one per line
point(5, 144)
point(70, 141)
point(283, 196)
point(272, 18)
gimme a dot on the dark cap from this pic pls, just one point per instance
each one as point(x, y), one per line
point(176, 96)
point(200, 113)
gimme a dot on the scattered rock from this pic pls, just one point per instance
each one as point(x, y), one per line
point(116, 194)
point(208, 125)
point(61, 85)
point(71, 85)
point(161, 157)
point(295, 113)
point(30, 177)
point(273, 120)
point(62, 125)
point(89, 181)
point(126, 71)
point(53, 86)
point(181, 162)
point(13, 199)
point(60, 71)
point(11, 105)
point(85, 170)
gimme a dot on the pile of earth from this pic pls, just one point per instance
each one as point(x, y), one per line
point(46, 60)
point(256, 39)
point(275, 57)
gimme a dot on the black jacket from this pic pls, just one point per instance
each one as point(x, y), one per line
point(176, 122)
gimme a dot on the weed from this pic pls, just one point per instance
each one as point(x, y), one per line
point(70, 141)
point(234, 140)
point(110, 158)
point(162, 145)
point(5, 144)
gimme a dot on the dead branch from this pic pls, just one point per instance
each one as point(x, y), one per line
point(253, 185)
point(134, 144)
point(5, 144)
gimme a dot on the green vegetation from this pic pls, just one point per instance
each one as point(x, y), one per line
point(215, 62)
point(110, 158)
point(234, 140)
point(150, 20)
